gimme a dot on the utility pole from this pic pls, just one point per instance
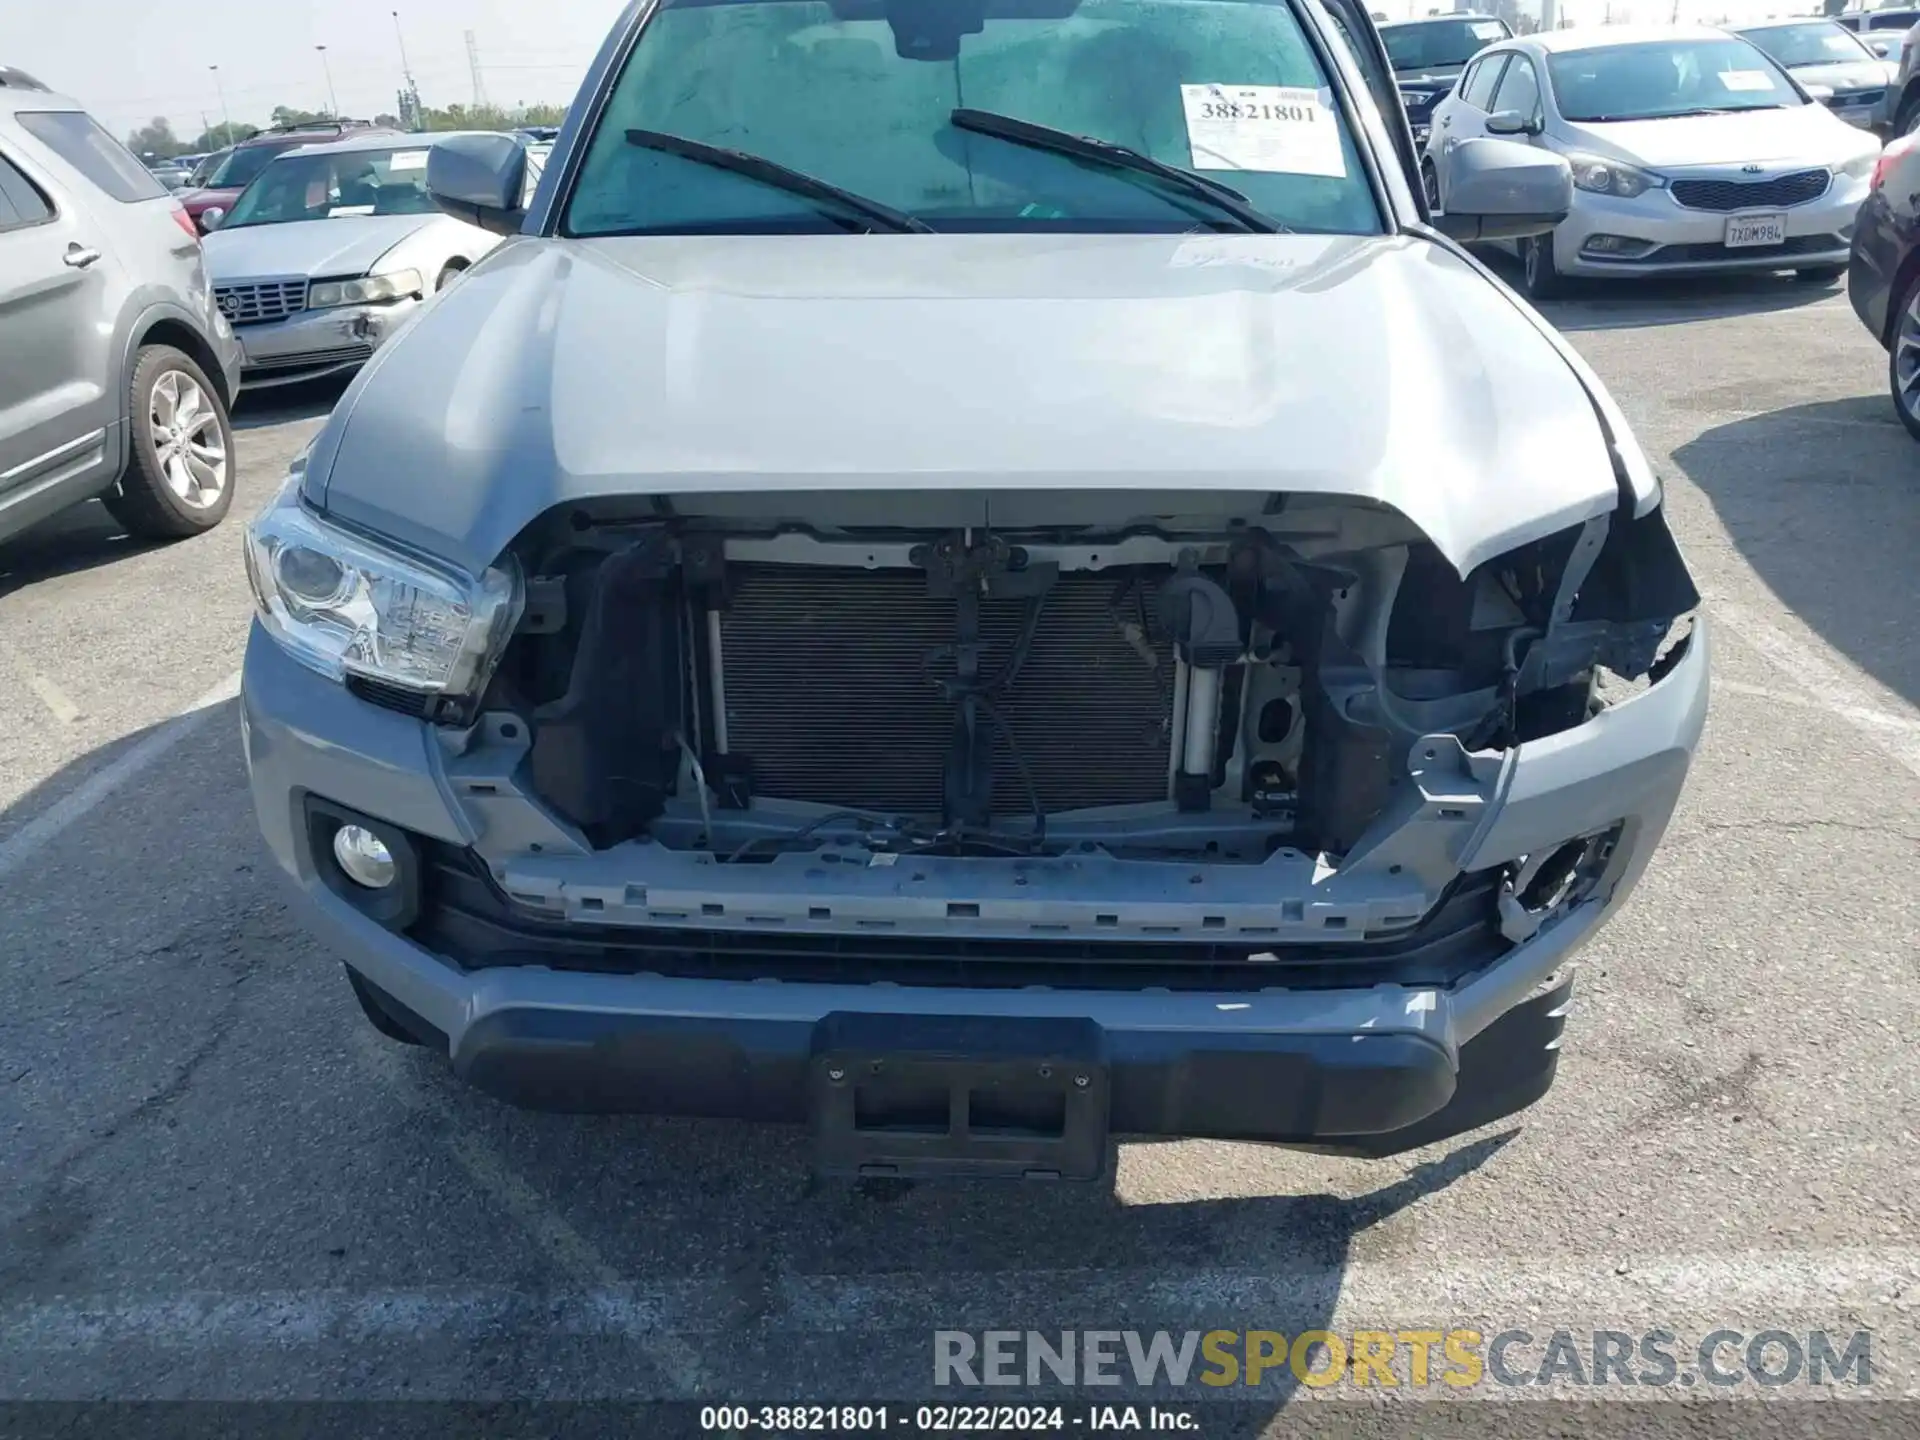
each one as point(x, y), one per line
point(327, 69)
point(411, 111)
point(221, 90)
point(473, 64)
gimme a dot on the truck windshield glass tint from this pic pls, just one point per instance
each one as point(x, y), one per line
point(862, 96)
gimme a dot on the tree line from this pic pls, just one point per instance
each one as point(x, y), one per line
point(157, 137)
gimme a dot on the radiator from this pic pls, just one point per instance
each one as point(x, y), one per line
point(828, 690)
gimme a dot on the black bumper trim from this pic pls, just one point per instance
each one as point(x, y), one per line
point(1361, 1093)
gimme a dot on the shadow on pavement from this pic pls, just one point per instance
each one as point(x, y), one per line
point(1823, 501)
point(77, 539)
point(1679, 300)
point(259, 409)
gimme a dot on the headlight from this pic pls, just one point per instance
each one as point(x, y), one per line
point(1861, 165)
point(1610, 177)
point(347, 605)
point(1413, 98)
point(325, 294)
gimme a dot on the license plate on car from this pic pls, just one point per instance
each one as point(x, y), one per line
point(1749, 230)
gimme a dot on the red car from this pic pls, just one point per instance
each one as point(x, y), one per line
point(250, 157)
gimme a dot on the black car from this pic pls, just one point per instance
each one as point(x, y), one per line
point(1883, 273)
point(1428, 56)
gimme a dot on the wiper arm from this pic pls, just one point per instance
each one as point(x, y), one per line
point(824, 194)
point(1223, 198)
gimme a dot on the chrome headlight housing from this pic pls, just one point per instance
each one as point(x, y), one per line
point(368, 290)
point(346, 604)
point(1600, 176)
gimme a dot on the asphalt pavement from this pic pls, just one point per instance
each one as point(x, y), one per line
point(216, 1181)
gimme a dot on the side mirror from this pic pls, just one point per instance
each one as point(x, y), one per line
point(211, 217)
point(480, 179)
point(1881, 48)
point(1502, 190)
point(1512, 122)
point(1819, 94)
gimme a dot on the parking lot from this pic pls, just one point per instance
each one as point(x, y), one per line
point(218, 1181)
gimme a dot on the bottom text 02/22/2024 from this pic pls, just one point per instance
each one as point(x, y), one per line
point(944, 1419)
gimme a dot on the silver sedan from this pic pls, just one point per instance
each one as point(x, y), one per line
point(1691, 151)
point(329, 251)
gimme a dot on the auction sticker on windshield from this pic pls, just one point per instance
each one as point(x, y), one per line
point(1281, 129)
point(1746, 80)
point(408, 160)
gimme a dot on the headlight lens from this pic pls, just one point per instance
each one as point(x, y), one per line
point(1861, 165)
point(1610, 177)
point(345, 605)
point(370, 290)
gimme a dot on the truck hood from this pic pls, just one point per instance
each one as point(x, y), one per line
point(1381, 368)
point(347, 246)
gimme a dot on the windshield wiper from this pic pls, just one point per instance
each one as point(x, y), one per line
point(1223, 198)
point(824, 194)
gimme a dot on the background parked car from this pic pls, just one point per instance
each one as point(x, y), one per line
point(1691, 151)
point(170, 173)
point(329, 251)
point(1428, 56)
point(250, 157)
point(115, 367)
point(1883, 271)
point(203, 168)
point(1886, 32)
point(1819, 52)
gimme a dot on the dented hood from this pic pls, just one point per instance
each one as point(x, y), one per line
point(1382, 368)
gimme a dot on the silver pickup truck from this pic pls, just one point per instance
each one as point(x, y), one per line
point(981, 576)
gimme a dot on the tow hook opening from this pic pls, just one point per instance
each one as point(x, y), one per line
point(1542, 887)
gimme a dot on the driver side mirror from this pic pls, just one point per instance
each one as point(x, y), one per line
point(211, 217)
point(480, 179)
point(1512, 122)
point(1881, 48)
point(1503, 190)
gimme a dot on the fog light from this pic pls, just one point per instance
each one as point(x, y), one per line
point(364, 857)
point(1622, 245)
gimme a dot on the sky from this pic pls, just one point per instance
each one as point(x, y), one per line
point(130, 60)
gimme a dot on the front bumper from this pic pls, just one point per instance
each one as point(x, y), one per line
point(316, 343)
point(1364, 1067)
point(1674, 240)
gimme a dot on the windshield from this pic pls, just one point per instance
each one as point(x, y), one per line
point(241, 165)
point(1818, 44)
point(1659, 79)
point(1228, 88)
point(326, 187)
point(1440, 45)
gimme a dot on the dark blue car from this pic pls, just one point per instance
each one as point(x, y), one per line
point(1428, 56)
point(1883, 271)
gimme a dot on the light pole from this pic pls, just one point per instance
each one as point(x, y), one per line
point(327, 69)
point(221, 90)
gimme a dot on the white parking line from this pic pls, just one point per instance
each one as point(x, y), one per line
point(1824, 683)
point(52, 822)
point(571, 1251)
point(48, 693)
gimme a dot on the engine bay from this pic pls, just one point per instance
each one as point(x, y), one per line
point(1223, 684)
